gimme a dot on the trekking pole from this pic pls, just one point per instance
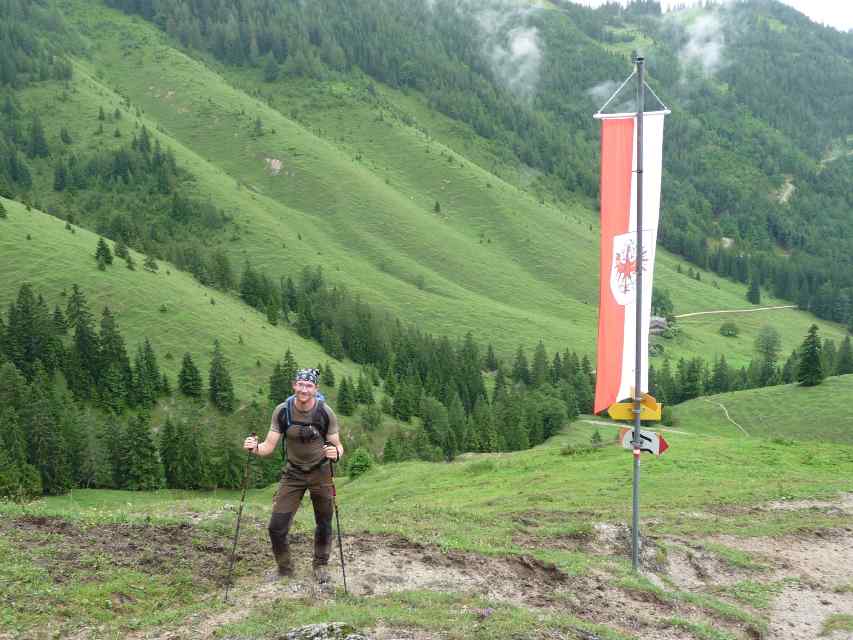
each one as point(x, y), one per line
point(338, 519)
point(239, 515)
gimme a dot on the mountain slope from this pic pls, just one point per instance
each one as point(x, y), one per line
point(372, 222)
point(169, 307)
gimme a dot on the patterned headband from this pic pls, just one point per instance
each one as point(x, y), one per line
point(308, 375)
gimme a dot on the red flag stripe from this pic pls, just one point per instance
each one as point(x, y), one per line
point(617, 141)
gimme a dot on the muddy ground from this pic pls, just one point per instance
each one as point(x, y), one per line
point(809, 576)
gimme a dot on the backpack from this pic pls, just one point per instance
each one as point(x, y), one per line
point(285, 421)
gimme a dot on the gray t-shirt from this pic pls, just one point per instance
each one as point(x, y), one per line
point(304, 444)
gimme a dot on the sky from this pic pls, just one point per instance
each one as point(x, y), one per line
point(835, 13)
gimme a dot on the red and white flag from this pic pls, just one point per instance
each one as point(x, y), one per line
point(617, 321)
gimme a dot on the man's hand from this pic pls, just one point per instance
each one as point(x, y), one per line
point(250, 443)
point(332, 452)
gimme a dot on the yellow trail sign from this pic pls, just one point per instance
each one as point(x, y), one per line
point(650, 409)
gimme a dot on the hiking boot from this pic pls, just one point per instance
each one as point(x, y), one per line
point(285, 566)
point(321, 575)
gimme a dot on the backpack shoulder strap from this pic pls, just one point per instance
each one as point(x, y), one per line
point(320, 410)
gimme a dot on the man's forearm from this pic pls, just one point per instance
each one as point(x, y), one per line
point(264, 449)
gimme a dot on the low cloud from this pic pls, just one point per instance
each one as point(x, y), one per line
point(705, 44)
point(510, 44)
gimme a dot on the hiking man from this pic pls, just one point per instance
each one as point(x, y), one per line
point(312, 440)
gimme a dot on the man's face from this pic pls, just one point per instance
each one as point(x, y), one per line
point(305, 391)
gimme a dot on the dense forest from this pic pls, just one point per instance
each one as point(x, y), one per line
point(765, 117)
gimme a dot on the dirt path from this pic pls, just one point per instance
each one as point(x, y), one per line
point(604, 423)
point(728, 417)
point(705, 313)
point(809, 577)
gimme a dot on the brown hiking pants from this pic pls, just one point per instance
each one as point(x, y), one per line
point(292, 487)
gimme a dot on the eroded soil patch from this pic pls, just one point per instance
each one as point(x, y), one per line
point(68, 550)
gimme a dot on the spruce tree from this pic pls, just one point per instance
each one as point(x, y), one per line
point(753, 295)
point(230, 460)
point(37, 147)
point(189, 378)
point(3, 213)
point(289, 367)
point(364, 390)
point(113, 353)
point(539, 373)
point(220, 387)
point(489, 436)
point(328, 376)
point(47, 449)
point(168, 452)
point(490, 363)
point(345, 403)
point(60, 326)
point(150, 264)
point(520, 369)
point(371, 417)
point(280, 385)
point(457, 422)
point(142, 471)
point(103, 253)
point(844, 360)
point(810, 372)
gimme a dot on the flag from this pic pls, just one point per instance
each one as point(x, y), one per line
point(616, 366)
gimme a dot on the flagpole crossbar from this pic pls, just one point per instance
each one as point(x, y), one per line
point(600, 115)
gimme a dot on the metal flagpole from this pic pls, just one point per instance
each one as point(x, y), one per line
point(635, 523)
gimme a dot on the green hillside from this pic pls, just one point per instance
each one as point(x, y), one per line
point(359, 183)
point(169, 307)
point(784, 411)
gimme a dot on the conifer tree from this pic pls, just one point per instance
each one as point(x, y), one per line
point(142, 470)
point(371, 417)
point(189, 378)
point(457, 423)
point(364, 390)
point(539, 374)
point(103, 253)
point(753, 295)
point(512, 420)
point(328, 377)
point(19, 480)
point(220, 386)
point(112, 433)
point(150, 264)
point(289, 368)
point(392, 451)
point(60, 176)
point(60, 326)
point(47, 449)
point(345, 403)
point(113, 353)
point(272, 312)
point(844, 360)
point(3, 213)
point(37, 147)
point(553, 414)
point(520, 369)
point(489, 436)
point(168, 452)
point(280, 385)
point(810, 372)
point(490, 362)
point(556, 368)
point(230, 460)
point(121, 250)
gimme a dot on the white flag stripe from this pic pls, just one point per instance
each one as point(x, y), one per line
point(652, 168)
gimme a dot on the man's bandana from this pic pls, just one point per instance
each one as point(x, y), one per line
point(308, 375)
